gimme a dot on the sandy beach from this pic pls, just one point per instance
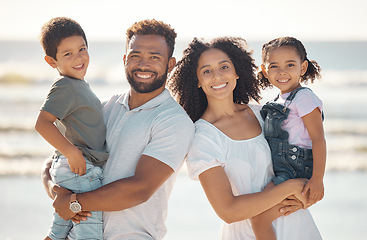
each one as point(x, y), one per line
point(26, 210)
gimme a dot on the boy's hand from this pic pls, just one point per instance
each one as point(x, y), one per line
point(77, 162)
point(315, 188)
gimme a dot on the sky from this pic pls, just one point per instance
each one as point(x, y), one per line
point(319, 20)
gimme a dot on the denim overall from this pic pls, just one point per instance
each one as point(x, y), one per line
point(289, 161)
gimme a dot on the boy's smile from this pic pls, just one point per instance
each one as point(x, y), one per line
point(72, 58)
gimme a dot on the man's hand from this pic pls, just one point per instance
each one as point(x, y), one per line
point(62, 202)
point(81, 216)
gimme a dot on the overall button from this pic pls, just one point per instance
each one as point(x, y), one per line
point(293, 157)
point(294, 149)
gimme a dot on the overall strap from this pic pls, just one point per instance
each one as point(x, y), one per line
point(291, 96)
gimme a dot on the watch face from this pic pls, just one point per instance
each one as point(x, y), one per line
point(75, 207)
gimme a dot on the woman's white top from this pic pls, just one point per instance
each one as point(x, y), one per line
point(248, 166)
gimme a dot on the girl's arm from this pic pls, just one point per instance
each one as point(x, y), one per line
point(46, 128)
point(232, 208)
point(314, 126)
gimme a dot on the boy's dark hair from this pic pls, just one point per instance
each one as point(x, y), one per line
point(313, 69)
point(57, 29)
point(183, 81)
point(153, 27)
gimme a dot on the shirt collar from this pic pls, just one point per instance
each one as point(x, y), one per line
point(124, 100)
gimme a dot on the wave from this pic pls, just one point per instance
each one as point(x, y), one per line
point(32, 165)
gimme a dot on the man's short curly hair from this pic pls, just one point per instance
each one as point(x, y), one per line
point(57, 29)
point(153, 27)
point(183, 81)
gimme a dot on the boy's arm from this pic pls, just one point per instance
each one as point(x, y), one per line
point(314, 126)
point(46, 128)
point(125, 193)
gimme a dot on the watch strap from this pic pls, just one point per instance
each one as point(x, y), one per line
point(73, 198)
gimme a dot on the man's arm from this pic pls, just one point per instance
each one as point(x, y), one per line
point(46, 179)
point(125, 193)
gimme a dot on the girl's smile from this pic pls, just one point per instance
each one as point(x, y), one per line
point(284, 68)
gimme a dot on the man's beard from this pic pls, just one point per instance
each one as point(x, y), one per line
point(145, 87)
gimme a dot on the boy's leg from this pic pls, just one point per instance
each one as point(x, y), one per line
point(60, 173)
point(93, 227)
point(60, 228)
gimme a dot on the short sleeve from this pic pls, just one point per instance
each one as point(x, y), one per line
point(171, 138)
point(206, 150)
point(61, 100)
point(306, 101)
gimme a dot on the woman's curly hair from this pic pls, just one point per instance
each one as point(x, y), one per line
point(313, 69)
point(183, 81)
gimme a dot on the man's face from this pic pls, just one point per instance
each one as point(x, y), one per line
point(147, 63)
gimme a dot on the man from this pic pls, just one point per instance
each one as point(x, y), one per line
point(148, 136)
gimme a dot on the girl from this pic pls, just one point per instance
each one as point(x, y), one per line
point(293, 122)
point(214, 82)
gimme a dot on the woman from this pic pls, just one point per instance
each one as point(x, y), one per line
point(214, 82)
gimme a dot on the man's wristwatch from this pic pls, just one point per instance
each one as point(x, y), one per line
point(74, 204)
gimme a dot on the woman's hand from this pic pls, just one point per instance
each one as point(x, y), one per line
point(290, 205)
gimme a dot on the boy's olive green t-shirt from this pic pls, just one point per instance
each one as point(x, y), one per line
point(80, 119)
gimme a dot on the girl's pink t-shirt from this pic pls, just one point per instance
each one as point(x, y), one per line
point(304, 103)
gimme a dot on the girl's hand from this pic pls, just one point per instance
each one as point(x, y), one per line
point(315, 189)
point(299, 185)
point(77, 162)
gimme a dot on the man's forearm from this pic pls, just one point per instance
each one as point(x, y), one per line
point(115, 196)
point(121, 194)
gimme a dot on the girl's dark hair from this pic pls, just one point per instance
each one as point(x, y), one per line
point(56, 30)
point(183, 81)
point(313, 70)
point(153, 27)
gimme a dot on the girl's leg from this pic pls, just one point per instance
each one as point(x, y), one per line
point(262, 223)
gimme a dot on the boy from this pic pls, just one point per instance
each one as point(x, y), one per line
point(71, 120)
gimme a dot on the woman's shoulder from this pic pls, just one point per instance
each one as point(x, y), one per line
point(206, 130)
point(255, 107)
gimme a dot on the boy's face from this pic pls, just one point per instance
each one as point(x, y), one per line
point(72, 58)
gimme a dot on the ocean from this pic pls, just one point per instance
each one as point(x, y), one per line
point(25, 79)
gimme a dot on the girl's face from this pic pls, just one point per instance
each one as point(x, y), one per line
point(216, 74)
point(283, 68)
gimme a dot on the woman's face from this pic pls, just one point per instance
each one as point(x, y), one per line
point(216, 74)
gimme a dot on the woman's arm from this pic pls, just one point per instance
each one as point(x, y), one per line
point(232, 208)
point(314, 126)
